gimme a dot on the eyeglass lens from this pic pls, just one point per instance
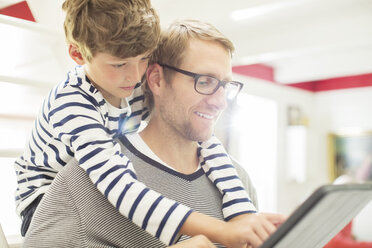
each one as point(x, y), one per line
point(208, 85)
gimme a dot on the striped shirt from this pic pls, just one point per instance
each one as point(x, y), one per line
point(74, 214)
point(75, 121)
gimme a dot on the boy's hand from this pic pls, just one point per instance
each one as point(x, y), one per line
point(246, 230)
point(250, 230)
point(199, 241)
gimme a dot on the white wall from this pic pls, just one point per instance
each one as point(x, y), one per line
point(289, 192)
point(345, 111)
point(341, 110)
point(327, 112)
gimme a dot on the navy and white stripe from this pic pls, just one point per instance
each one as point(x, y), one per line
point(76, 122)
point(67, 216)
point(218, 166)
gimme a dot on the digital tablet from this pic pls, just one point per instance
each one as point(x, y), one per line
point(321, 216)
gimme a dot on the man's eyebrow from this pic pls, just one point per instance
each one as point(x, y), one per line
point(210, 74)
point(226, 79)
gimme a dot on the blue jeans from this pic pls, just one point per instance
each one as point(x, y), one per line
point(28, 213)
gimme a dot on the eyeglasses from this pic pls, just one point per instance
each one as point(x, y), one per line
point(207, 85)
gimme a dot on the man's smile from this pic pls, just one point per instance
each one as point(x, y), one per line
point(203, 115)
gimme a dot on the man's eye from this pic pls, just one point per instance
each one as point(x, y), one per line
point(203, 82)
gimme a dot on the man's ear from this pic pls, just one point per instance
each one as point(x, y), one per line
point(155, 78)
point(75, 54)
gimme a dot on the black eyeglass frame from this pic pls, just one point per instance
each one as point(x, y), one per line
point(196, 76)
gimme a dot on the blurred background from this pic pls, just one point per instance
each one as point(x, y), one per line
point(303, 117)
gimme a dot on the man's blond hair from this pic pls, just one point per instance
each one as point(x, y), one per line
point(174, 42)
point(121, 28)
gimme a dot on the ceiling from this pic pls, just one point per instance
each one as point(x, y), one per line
point(300, 40)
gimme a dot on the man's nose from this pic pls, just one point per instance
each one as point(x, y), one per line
point(218, 99)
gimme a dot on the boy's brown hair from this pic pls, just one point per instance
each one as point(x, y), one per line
point(121, 28)
point(174, 42)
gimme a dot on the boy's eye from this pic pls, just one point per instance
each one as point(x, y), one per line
point(119, 65)
point(145, 58)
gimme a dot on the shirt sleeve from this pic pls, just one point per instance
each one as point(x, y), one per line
point(220, 170)
point(78, 123)
point(247, 182)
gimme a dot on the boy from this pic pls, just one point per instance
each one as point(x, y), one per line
point(111, 41)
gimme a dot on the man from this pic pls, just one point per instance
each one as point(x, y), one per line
point(187, 86)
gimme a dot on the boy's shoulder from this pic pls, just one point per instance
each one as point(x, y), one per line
point(78, 80)
point(76, 87)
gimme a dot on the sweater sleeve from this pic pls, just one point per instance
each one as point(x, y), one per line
point(247, 182)
point(79, 124)
point(220, 170)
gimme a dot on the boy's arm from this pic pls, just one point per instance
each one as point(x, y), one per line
point(81, 127)
point(246, 229)
point(219, 168)
point(199, 241)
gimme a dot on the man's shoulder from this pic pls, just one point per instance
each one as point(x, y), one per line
point(238, 166)
point(246, 180)
point(242, 173)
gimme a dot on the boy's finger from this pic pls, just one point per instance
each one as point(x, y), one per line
point(275, 219)
point(254, 241)
point(269, 227)
point(262, 231)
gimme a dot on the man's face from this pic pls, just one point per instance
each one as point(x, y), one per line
point(114, 77)
point(187, 112)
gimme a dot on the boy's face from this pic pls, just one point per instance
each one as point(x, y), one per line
point(115, 77)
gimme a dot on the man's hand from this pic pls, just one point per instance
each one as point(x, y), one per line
point(250, 230)
point(199, 241)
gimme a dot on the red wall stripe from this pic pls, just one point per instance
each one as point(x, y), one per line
point(309, 86)
point(363, 80)
point(257, 71)
point(267, 73)
point(19, 10)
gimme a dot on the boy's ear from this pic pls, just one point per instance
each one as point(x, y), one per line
point(75, 54)
point(154, 78)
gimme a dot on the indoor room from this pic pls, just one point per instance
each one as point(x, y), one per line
point(301, 120)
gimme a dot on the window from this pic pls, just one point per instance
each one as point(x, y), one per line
point(19, 106)
point(253, 143)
